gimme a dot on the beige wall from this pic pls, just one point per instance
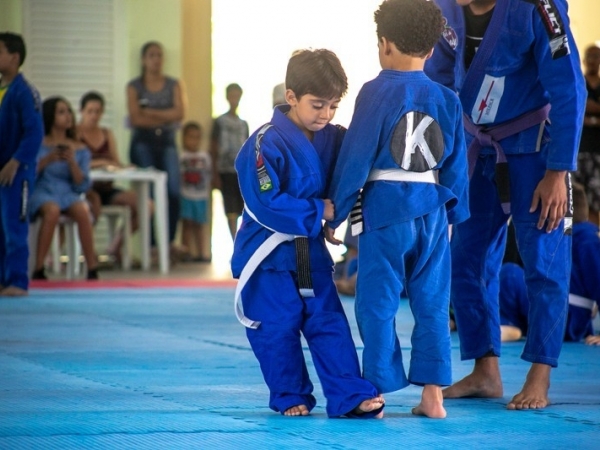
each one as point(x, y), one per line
point(584, 16)
point(11, 18)
point(196, 69)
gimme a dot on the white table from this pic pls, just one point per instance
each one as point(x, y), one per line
point(140, 180)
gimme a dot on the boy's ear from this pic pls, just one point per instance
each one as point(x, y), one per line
point(386, 45)
point(290, 97)
point(429, 55)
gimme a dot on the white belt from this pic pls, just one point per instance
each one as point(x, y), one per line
point(259, 255)
point(356, 219)
point(403, 175)
point(582, 302)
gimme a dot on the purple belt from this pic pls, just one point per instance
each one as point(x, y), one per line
point(491, 137)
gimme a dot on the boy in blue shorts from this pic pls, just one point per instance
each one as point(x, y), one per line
point(21, 134)
point(196, 174)
point(405, 149)
point(284, 268)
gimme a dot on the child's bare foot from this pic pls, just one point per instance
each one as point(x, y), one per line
point(534, 394)
point(13, 291)
point(369, 405)
point(432, 403)
point(298, 410)
point(484, 381)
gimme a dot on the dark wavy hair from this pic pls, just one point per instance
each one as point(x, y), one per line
point(414, 26)
point(317, 72)
point(49, 114)
point(91, 96)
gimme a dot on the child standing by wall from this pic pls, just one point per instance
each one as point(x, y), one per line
point(280, 257)
point(196, 174)
point(21, 133)
point(406, 146)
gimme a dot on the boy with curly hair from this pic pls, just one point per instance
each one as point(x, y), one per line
point(405, 149)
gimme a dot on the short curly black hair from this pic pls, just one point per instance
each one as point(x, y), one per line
point(414, 26)
point(317, 72)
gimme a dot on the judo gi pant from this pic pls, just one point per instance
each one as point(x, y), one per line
point(514, 306)
point(272, 297)
point(477, 249)
point(412, 255)
point(14, 228)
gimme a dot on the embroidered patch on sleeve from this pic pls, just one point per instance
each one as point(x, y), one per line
point(264, 180)
point(450, 35)
point(559, 41)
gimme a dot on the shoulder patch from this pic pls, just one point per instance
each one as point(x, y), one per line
point(418, 143)
point(555, 28)
point(264, 180)
point(450, 35)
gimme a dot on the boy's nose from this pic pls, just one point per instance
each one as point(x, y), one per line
point(328, 113)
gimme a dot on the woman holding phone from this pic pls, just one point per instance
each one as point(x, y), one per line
point(61, 180)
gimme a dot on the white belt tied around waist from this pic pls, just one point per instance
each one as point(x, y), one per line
point(259, 255)
point(430, 176)
point(582, 302)
point(356, 219)
point(303, 268)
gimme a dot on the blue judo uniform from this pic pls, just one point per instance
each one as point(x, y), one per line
point(406, 127)
point(21, 133)
point(283, 177)
point(526, 62)
point(584, 288)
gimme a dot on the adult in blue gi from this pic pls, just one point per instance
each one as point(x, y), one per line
point(21, 133)
point(405, 149)
point(285, 270)
point(516, 69)
point(584, 292)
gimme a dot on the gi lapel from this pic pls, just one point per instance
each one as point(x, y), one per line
point(480, 93)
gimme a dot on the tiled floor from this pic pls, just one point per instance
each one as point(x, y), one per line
point(170, 368)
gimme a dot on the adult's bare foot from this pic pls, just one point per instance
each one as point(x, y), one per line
point(534, 394)
point(13, 291)
point(432, 403)
point(483, 382)
point(369, 405)
point(298, 410)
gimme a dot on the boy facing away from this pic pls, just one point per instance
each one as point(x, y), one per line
point(405, 149)
point(21, 133)
point(280, 257)
point(196, 173)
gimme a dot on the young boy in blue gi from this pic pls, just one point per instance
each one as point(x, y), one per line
point(510, 61)
point(280, 257)
point(584, 290)
point(21, 133)
point(405, 148)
